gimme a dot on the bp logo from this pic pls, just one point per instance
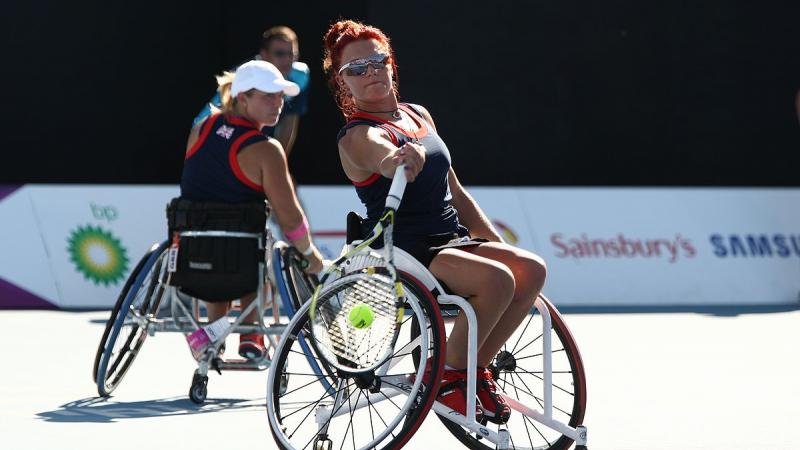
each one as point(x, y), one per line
point(98, 255)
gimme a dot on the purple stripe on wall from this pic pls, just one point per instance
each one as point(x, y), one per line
point(7, 189)
point(14, 297)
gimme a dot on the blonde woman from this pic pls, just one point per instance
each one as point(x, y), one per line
point(229, 160)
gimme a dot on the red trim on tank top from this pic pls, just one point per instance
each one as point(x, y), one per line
point(393, 136)
point(204, 130)
point(421, 123)
point(372, 178)
point(242, 122)
point(234, 162)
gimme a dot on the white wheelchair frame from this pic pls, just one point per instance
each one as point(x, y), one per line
point(407, 263)
point(183, 319)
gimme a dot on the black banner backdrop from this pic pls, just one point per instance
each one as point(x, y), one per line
point(623, 93)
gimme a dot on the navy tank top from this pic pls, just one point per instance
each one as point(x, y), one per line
point(211, 170)
point(425, 209)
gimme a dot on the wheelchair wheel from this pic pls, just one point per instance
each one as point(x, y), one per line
point(123, 336)
point(295, 287)
point(518, 372)
point(380, 409)
point(199, 389)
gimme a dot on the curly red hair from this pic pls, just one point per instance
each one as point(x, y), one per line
point(338, 36)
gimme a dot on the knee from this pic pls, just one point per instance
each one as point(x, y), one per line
point(530, 273)
point(498, 282)
point(537, 269)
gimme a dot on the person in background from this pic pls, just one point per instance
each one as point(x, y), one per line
point(229, 160)
point(279, 46)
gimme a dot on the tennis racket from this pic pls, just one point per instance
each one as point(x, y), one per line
point(356, 309)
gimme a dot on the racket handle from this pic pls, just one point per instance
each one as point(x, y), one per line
point(397, 188)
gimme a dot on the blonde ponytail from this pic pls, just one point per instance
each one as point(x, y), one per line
point(228, 103)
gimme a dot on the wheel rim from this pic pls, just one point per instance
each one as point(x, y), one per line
point(386, 419)
point(134, 275)
point(296, 287)
point(126, 338)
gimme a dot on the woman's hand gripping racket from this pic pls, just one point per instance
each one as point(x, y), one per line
point(355, 318)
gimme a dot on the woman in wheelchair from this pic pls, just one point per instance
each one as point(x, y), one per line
point(438, 222)
point(228, 160)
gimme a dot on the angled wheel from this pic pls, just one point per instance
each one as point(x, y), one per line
point(380, 409)
point(123, 336)
point(295, 288)
point(518, 371)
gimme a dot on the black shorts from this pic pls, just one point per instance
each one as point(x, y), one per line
point(425, 248)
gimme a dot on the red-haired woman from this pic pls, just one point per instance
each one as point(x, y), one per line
point(438, 221)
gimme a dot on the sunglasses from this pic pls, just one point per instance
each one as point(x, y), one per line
point(359, 67)
point(282, 53)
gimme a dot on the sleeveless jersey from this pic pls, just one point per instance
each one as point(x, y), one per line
point(425, 209)
point(211, 170)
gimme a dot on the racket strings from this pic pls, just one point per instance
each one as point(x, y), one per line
point(358, 348)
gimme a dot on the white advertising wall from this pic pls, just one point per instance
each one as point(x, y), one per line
point(73, 246)
point(668, 246)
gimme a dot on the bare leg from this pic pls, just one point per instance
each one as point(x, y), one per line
point(217, 309)
point(490, 288)
point(529, 275)
point(253, 316)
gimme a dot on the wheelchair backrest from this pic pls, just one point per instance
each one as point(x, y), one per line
point(220, 267)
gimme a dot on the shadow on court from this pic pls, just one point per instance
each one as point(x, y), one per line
point(102, 410)
point(717, 311)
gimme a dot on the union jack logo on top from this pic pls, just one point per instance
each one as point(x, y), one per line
point(225, 131)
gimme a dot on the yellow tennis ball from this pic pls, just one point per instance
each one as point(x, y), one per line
point(361, 316)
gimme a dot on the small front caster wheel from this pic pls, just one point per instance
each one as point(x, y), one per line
point(323, 444)
point(199, 389)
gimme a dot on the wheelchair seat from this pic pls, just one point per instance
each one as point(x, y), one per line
point(219, 247)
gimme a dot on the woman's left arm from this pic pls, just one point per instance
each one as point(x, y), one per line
point(469, 213)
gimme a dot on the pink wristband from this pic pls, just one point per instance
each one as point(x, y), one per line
point(298, 232)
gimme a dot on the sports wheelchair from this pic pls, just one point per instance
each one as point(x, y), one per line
point(215, 252)
point(539, 372)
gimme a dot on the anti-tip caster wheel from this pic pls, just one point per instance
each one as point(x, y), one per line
point(323, 443)
point(199, 389)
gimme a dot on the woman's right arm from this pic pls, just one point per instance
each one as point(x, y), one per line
point(279, 189)
point(366, 150)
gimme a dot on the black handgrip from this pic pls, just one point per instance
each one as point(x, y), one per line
point(295, 254)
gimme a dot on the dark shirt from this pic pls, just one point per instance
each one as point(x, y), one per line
point(425, 209)
point(211, 170)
